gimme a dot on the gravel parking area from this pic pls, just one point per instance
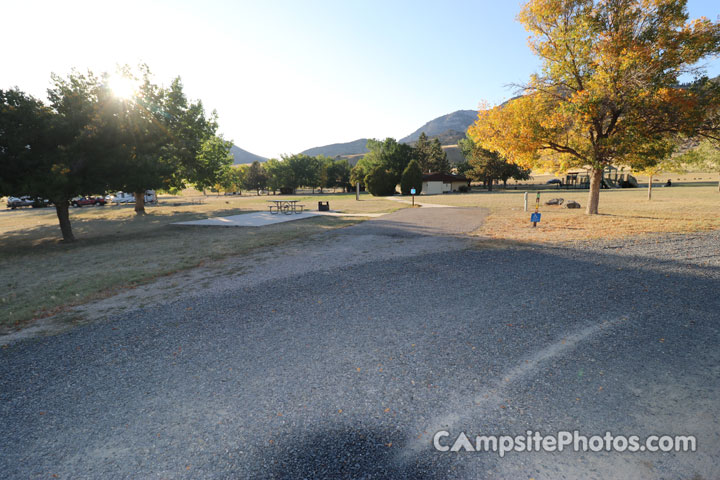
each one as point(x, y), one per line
point(342, 356)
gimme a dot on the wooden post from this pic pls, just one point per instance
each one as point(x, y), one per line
point(525, 196)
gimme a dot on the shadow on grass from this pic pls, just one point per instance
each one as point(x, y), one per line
point(47, 275)
point(94, 230)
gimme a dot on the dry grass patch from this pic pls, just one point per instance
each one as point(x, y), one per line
point(342, 202)
point(624, 212)
point(117, 250)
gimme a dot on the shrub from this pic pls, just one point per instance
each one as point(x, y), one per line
point(411, 178)
point(380, 182)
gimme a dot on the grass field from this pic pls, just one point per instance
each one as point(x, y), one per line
point(623, 212)
point(117, 249)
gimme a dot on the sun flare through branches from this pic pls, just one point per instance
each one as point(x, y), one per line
point(123, 87)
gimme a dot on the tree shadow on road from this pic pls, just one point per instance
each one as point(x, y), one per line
point(358, 453)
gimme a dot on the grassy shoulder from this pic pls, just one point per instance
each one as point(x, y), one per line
point(623, 213)
point(117, 249)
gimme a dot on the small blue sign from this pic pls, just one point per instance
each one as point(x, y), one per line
point(535, 217)
point(412, 191)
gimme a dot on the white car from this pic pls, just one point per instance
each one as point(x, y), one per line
point(124, 197)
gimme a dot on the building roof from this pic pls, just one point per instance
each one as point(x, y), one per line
point(443, 177)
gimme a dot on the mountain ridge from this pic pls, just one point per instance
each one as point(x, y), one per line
point(447, 128)
point(243, 156)
point(338, 149)
point(458, 121)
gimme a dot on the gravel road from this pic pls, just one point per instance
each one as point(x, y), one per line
point(342, 357)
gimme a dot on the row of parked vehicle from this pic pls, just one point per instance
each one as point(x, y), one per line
point(25, 201)
point(82, 201)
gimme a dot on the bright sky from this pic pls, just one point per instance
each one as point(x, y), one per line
point(288, 75)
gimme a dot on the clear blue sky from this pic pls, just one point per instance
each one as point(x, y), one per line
point(287, 75)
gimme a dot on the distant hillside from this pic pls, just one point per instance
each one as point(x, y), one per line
point(449, 137)
point(449, 129)
point(454, 154)
point(339, 149)
point(353, 159)
point(243, 156)
point(457, 121)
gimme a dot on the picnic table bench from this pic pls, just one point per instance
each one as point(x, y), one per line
point(285, 206)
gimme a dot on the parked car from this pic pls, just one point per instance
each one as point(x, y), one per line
point(41, 203)
point(124, 197)
point(85, 201)
point(15, 202)
point(27, 201)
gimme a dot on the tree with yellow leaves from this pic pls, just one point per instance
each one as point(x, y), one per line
point(608, 92)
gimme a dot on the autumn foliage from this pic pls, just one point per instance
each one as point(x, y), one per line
point(608, 91)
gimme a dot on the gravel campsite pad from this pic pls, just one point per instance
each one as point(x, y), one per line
point(343, 356)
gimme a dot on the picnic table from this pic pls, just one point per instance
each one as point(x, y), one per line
point(285, 206)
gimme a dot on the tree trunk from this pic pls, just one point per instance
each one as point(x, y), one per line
point(63, 214)
point(594, 195)
point(650, 188)
point(140, 203)
point(489, 184)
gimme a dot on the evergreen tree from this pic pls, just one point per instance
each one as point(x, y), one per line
point(411, 178)
point(380, 182)
point(437, 161)
point(422, 152)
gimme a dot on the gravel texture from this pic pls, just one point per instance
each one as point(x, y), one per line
point(342, 357)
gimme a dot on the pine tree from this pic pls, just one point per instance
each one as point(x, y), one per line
point(422, 152)
point(438, 162)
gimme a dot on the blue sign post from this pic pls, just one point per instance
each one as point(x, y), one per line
point(412, 192)
point(535, 217)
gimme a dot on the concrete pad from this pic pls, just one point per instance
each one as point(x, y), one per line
point(260, 219)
